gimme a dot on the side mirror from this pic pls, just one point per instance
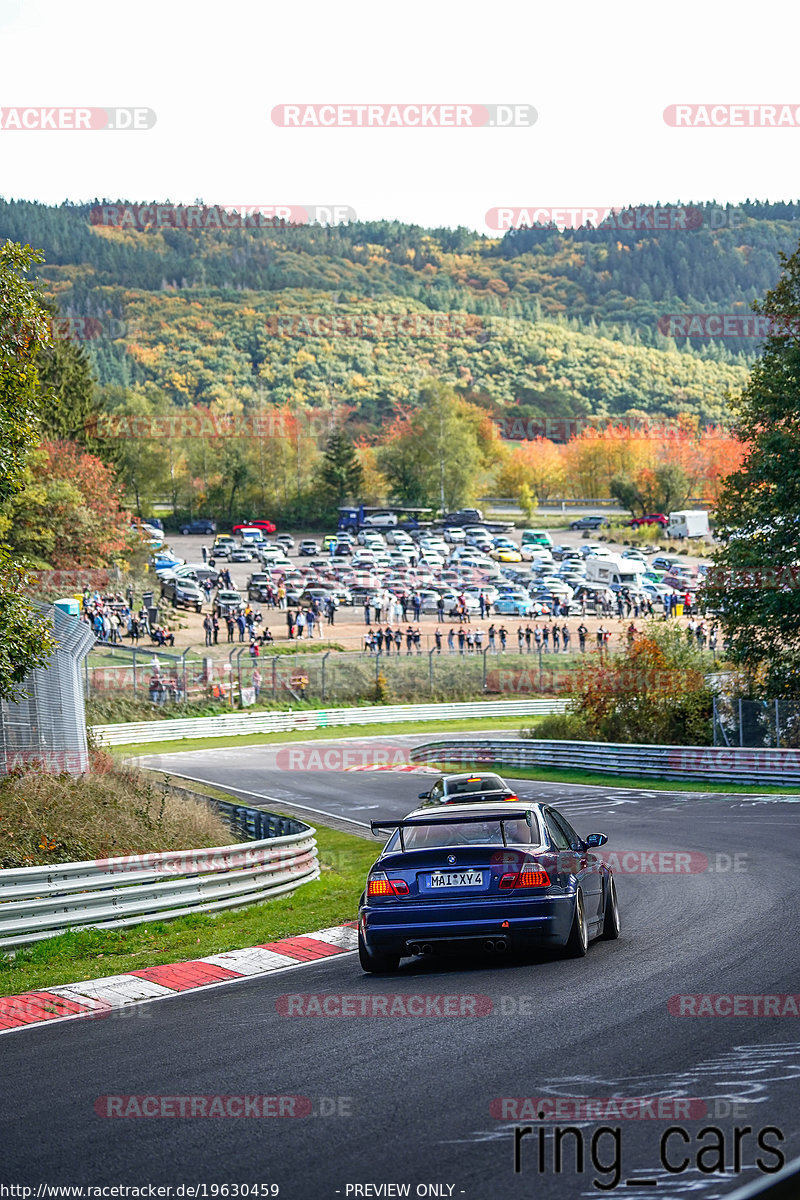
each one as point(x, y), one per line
point(423, 795)
point(596, 839)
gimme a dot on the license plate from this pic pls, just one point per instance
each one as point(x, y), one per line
point(444, 879)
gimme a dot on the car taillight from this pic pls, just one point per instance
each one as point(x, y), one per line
point(380, 885)
point(525, 879)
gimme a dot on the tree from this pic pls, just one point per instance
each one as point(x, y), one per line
point(68, 515)
point(341, 473)
point(435, 455)
point(25, 640)
point(72, 405)
point(653, 490)
point(754, 585)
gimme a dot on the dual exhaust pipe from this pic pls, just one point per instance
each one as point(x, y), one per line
point(491, 946)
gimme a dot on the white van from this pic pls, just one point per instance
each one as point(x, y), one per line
point(614, 569)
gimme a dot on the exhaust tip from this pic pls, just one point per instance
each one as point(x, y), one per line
point(488, 946)
point(415, 949)
point(427, 948)
point(501, 947)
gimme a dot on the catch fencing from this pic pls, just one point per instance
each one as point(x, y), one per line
point(47, 726)
point(133, 732)
point(329, 677)
point(701, 763)
point(41, 902)
point(756, 722)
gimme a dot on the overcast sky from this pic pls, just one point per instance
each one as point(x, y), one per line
point(598, 75)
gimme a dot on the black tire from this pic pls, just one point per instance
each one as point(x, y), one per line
point(185, 532)
point(375, 964)
point(611, 915)
point(578, 940)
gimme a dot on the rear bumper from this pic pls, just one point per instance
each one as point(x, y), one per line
point(545, 921)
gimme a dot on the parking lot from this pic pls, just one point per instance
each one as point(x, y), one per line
point(324, 571)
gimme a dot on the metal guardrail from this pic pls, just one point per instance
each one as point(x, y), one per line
point(702, 763)
point(132, 732)
point(41, 902)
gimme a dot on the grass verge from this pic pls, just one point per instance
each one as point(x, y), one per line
point(599, 779)
point(95, 953)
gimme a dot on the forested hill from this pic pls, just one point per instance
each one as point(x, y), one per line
point(564, 321)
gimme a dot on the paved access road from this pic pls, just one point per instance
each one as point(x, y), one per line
point(416, 1100)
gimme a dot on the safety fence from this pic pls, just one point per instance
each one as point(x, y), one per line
point(41, 902)
point(47, 725)
point(702, 763)
point(242, 723)
point(164, 677)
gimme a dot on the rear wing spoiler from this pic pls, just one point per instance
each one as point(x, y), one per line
point(450, 819)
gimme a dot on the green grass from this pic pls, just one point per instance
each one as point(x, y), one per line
point(600, 779)
point(435, 728)
point(95, 953)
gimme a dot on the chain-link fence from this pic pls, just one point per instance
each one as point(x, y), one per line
point(48, 726)
point(326, 677)
point(756, 722)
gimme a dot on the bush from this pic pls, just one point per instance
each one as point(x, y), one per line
point(654, 693)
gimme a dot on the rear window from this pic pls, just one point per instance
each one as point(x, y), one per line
point(478, 783)
point(472, 833)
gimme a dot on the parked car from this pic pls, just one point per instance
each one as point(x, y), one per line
point(257, 585)
point(228, 601)
point(223, 545)
point(264, 526)
point(453, 534)
point(201, 525)
point(536, 537)
point(241, 554)
point(380, 520)
point(650, 519)
point(184, 593)
point(286, 540)
point(590, 523)
point(308, 548)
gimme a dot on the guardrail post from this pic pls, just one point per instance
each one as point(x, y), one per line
point(714, 719)
point(741, 726)
point(483, 679)
point(325, 658)
point(430, 668)
point(777, 722)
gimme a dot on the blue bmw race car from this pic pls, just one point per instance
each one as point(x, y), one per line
point(491, 876)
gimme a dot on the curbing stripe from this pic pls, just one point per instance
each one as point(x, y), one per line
point(181, 976)
point(96, 996)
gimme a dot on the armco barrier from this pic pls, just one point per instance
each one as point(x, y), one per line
point(133, 732)
point(40, 902)
point(716, 764)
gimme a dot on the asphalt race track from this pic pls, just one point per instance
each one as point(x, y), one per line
point(417, 1100)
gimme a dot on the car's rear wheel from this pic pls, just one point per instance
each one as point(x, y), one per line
point(376, 963)
point(611, 914)
point(184, 532)
point(578, 940)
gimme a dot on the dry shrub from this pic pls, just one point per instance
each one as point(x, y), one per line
point(46, 818)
